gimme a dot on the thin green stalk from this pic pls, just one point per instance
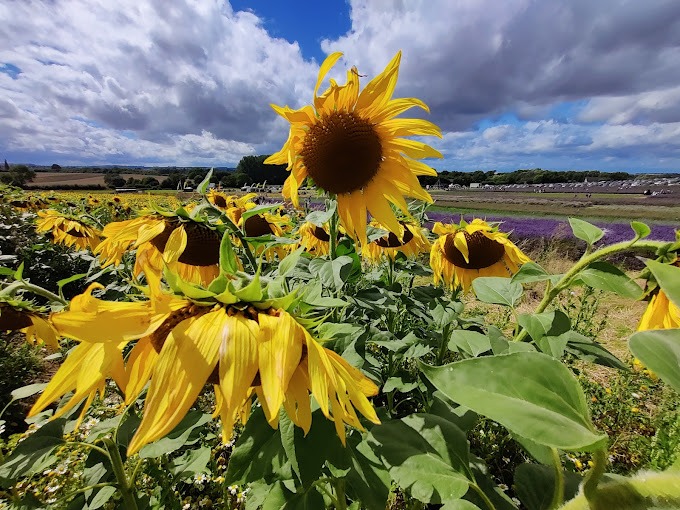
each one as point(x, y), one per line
point(484, 497)
point(91, 447)
point(70, 495)
point(585, 261)
point(341, 499)
point(443, 345)
point(125, 488)
point(558, 494)
point(34, 289)
point(333, 232)
point(594, 475)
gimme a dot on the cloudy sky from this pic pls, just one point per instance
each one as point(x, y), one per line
point(560, 84)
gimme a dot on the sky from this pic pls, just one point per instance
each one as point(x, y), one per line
point(556, 84)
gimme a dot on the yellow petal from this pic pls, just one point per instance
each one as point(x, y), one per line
point(188, 357)
point(238, 363)
point(379, 90)
point(139, 367)
point(280, 350)
point(323, 71)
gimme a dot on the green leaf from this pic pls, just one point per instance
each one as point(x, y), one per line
point(319, 218)
point(460, 504)
point(333, 273)
point(228, 260)
point(668, 278)
point(553, 345)
point(101, 497)
point(185, 433)
point(604, 276)
point(28, 391)
point(642, 230)
point(426, 455)
point(190, 463)
point(470, 342)
point(19, 273)
point(460, 416)
point(258, 210)
point(497, 290)
point(202, 188)
point(530, 272)
point(588, 350)
point(659, 350)
point(530, 394)
point(541, 453)
point(290, 261)
point(70, 279)
point(543, 324)
point(35, 453)
point(258, 455)
point(535, 485)
point(585, 231)
point(398, 383)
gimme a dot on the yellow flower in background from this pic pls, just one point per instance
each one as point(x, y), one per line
point(315, 239)
point(67, 230)
point(350, 143)
point(265, 224)
point(467, 251)
point(233, 205)
point(661, 313)
point(37, 329)
point(198, 262)
point(244, 351)
point(412, 244)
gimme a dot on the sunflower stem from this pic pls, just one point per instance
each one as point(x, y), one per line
point(558, 494)
point(238, 233)
point(333, 232)
point(594, 475)
point(34, 289)
point(125, 488)
point(585, 261)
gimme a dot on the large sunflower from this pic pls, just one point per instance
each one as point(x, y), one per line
point(67, 230)
point(412, 243)
point(149, 233)
point(244, 349)
point(469, 250)
point(661, 313)
point(350, 144)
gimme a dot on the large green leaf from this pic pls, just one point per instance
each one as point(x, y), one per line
point(588, 350)
point(532, 272)
point(190, 463)
point(531, 394)
point(186, 432)
point(426, 455)
point(497, 290)
point(34, 453)
point(668, 278)
point(585, 231)
point(535, 484)
point(659, 350)
point(333, 273)
point(543, 324)
point(604, 276)
point(471, 343)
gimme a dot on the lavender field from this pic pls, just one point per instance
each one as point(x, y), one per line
point(532, 227)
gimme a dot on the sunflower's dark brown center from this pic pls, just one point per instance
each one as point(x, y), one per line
point(342, 152)
point(257, 226)
point(392, 241)
point(219, 201)
point(482, 251)
point(321, 234)
point(203, 243)
point(21, 204)
point(11, 319)
point(159, 336)
point(76, 233)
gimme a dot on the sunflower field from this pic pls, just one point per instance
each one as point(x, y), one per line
point(227, 351)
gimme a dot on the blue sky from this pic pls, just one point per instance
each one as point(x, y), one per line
point(559, 84)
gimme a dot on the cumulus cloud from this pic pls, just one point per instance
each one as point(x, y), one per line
point(180, 76)
point(469, 60)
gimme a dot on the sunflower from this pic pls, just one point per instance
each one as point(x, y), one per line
point(233, 205)
point(244, 349)
point(266, 224)
point(350, 144)
point(661, 313)
point(68, 230)
point(149, 233)
point(17, 316)
point(412, 243)
point(315, 239)
point(469, 250)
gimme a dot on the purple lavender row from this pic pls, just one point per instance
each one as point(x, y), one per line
point(533, 227)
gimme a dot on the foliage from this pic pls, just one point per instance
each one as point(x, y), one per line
point(17, 175)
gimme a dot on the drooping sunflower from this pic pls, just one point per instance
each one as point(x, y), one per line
point(661, 313)
point(265, 224)
point(233, 205)
point(412, 243)
point(18, 316)
point(67, 230)
point(350, 143)
point(243, 347)
point(469, 250)
point(315, 239)
point(149, 233)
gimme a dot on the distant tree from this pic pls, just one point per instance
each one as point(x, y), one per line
point(6, 166)
point(114, 180)
point(18, 175)
point(254, 167)
point(55, 167)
